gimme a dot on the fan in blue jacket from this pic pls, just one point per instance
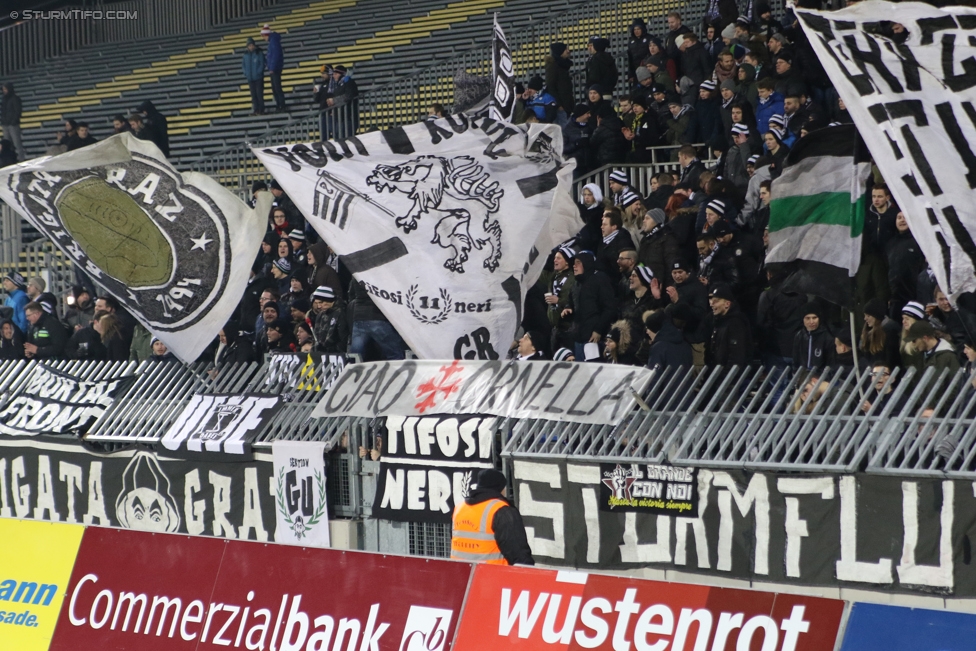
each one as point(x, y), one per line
point(276, 63)
point(253, 65)
point(14, 285)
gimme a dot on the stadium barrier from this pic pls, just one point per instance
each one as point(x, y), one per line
point(43, 34)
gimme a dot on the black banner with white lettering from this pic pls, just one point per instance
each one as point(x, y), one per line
point(429, 464)
point(647, 488)
point(45, 479)
point(54, 402)
point(855, 531)
point(214, 424)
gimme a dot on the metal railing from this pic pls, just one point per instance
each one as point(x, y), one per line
point(640, 174)
point(406, 100)
point(45, 34)
point(11, 237)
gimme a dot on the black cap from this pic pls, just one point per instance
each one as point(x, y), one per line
point(682, 265)
point(536, 83)
point(720, 228)
point(491, 479)
point(722, 291)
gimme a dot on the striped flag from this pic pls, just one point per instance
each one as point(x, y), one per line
point(816, 216)
point(501, 105)
point(332, 200)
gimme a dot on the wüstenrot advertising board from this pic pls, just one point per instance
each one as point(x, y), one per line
point(538, 610)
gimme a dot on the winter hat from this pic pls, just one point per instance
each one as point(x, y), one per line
point(655, 321)
point(657, 89)
point(914, 310)
point(17, 279)
point(562, 355)
point(779, 37)
point(740, 129)
point(708, 85)
point(644, 274)
point(490, 479)
point(742, 21)
point(674, 100)
point(297, 234)
point(567, 253)
point(844, 334)
point(250, 41)
point(301, 304)
point(921, 329)
point(679, 40)
point(600, 44)
point(723, 291)
point(323, 293)
point(721, 228)
point(271, 304)
point(785, 56)
point(266, 30)
point(812, 308)
point(657, 215)
point(876, 308)
point(752, 160)
point(777, 120)
point(581, 109)
point(153, 340)
point(596, 88)
point(536, 83)
point(727, 84)
point(738, 51)
point(680, 265)
point(78, 290)
point(729, 31)
point(640, 100)
point(629, 199)
point(538, 340)
point(557, 49)
point(283, 265)
point(620, 177)
point(643, 74)
point(340, 69)
point(654, 60)
point(46, 305)
point(717, 206)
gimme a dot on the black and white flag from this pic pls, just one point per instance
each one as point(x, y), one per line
point(444, 223)
point(914, 102)
point(213, 423)
point(53, 402)
point(502, 102)
point(429, 464)
point(301, 509)
point(174, 249)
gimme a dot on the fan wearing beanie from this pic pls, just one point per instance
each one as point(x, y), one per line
point(813, 346)
point(487, 528)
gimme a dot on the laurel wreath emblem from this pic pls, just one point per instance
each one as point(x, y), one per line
point(298, 526)
point(440, 317)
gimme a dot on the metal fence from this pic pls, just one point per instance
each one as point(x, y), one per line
point(640, 174)
point(407, 99)
point(45, 34)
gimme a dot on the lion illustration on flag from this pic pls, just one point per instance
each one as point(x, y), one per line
point(458, 193)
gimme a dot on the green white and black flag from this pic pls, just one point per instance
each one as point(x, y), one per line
point(816, 216)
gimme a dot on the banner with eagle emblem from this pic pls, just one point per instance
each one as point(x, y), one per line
point(445, 223)
point(174, 249)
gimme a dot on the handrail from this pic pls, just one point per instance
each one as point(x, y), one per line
point(640, 173)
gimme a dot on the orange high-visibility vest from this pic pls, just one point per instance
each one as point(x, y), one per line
point(473, 537)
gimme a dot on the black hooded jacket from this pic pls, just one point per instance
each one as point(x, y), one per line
point(12, 348)
point(593, 302)
point(814, 350)
point(669, 348)
point(731, 342)
point(601, 68)
point(637, 47)
point(508, 527)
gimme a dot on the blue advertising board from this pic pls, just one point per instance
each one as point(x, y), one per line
point(873, 627)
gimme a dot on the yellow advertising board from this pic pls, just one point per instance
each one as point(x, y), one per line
point(35, 565)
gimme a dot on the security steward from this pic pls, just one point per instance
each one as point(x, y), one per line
point(487, 528)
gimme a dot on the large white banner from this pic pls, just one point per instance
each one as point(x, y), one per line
point(913, 103)
point(300, 493)
point(600, 394)
point(174, 249)
point(444, 222)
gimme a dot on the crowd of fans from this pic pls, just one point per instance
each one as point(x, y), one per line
point(672, 274)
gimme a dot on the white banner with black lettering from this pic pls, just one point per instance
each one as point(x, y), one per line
point(440, 222)
point(47, 401)
point(429, 464)
point(502, 103)
point(913, 98)
point(214, 423)
point(601, 394)
point(300, 493)
point(174, 249)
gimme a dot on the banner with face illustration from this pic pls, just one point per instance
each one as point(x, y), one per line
point(445, 224)
point(174, 249)
point(45, 479)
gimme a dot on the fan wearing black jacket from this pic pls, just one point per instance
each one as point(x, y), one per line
point(731, 342)
point(592, 302)
point(813, 346)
